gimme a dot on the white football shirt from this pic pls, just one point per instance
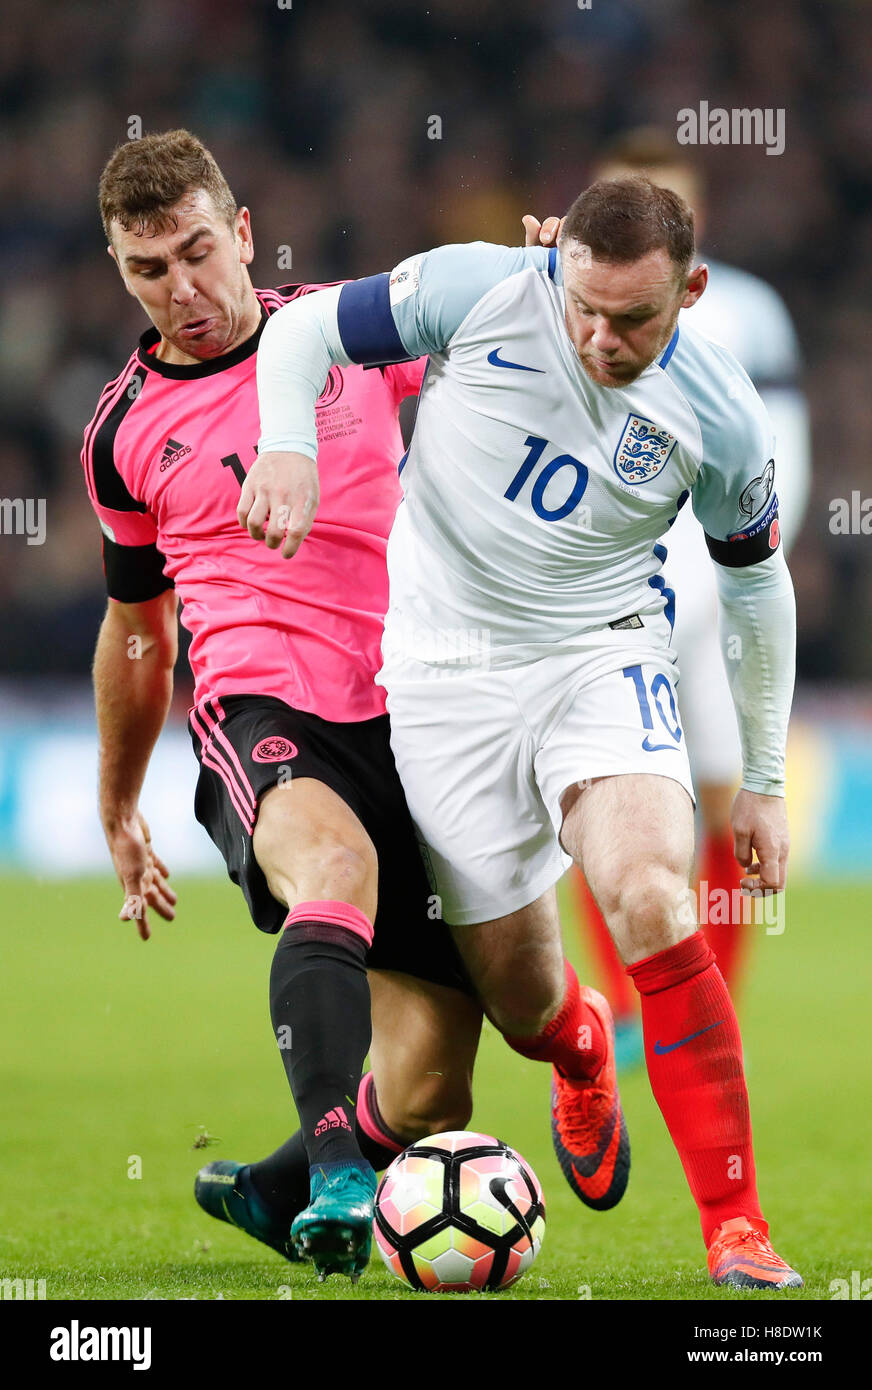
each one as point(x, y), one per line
point(534, 499)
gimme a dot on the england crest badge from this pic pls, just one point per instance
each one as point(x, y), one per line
point(643, 450)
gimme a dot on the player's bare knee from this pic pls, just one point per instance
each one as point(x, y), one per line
point(525, 992)
point(310, 846)
point(525, 1012)
point(607, 895)
point(325, 868)
point(651, 910)
point(347, 872)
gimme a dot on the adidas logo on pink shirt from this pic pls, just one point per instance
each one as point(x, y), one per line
point(173, 451)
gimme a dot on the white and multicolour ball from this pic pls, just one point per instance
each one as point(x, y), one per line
point(457, 1212)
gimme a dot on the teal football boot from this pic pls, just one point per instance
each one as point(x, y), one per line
point(335, 1229)
point(225, 1190)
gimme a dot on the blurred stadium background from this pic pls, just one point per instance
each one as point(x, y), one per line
point(318, 113)
point(319, 116)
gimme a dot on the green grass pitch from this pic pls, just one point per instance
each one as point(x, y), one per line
point(112, 1048)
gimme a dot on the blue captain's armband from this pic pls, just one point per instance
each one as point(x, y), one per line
point(366, 322)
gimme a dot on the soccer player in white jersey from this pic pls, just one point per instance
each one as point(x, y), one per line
point(746, 315)
point(562, 424)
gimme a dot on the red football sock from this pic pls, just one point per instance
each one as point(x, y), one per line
point(694, 1055)
point(728, 935)
point(573, 1041)
point(614, 983)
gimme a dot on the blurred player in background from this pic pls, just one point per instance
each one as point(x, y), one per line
point(297, 784)
point(747, 316)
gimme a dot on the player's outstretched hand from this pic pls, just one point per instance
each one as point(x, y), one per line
point(279, 499)
point(541, 233)
point(762, 841)
point(142, 873)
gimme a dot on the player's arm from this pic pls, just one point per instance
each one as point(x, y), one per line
point(758, 640)
point(133, 679)
point(410, 312)
point(757, 631)
point(133, 686)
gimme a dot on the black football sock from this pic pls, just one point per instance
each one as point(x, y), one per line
point(320, 1007)
point(379, 1143)
point(282, 1179)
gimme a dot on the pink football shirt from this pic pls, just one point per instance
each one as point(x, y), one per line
point(164, 458)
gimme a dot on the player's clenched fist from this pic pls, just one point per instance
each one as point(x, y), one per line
point(762, 841)
point(279, 499)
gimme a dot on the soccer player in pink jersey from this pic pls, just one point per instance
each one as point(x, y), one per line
point(297, 784)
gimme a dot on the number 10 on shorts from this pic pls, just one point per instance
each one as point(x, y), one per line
point(654, 696)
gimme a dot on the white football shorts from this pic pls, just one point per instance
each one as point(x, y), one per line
point(485, 755)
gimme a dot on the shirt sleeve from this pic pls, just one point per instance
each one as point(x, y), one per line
point(418, 306)
point(734, 495)
point(132, 561)
point(734, 498)
point(758, 644)
point(406, 313)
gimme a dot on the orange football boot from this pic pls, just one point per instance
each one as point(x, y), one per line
point(740, 1256)
point(587, 1124)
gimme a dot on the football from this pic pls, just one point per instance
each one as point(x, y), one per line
point(457, 1212)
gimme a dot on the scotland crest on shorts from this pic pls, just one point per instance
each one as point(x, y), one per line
point(643, 450)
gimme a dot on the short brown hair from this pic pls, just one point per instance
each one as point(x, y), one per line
point(145, 178)
point(623, 219)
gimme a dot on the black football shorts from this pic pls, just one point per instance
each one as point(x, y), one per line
point(246, 744)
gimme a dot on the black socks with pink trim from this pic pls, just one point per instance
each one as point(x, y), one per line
point(377, 1143)
point(320, 1007)
point(282, 1179)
